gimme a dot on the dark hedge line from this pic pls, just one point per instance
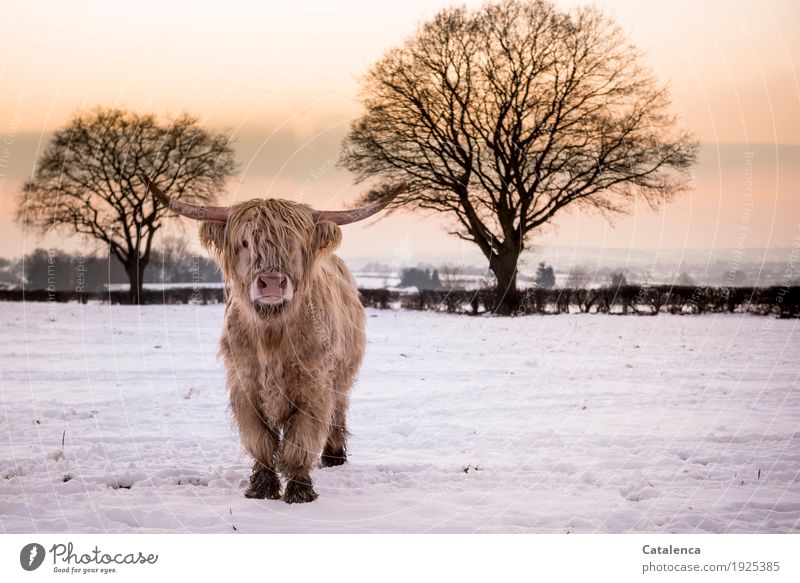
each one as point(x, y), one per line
point(631, 299)
point(182, 295)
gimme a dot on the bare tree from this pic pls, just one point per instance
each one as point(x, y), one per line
point(87, 182)
point(504, 116)
point(174, 259)
point(452, 277)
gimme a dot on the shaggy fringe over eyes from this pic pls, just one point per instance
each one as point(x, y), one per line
point(282, 233)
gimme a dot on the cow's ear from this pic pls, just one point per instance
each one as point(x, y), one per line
point(212, 235)
point(327, 235)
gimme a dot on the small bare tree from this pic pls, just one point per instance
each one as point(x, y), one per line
point(174, 258)
point(87, 181)
point(504, 116)
point(452, 277)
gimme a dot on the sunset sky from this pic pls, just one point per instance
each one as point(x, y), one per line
point(282, 77)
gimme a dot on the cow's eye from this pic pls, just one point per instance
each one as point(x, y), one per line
point(244, 243)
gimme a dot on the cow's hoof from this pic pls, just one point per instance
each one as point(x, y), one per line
point(332, 459)
point(264, 483)
point(299, 492)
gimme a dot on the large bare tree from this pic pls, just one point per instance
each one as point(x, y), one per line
point(504, 116)
point(87, 181)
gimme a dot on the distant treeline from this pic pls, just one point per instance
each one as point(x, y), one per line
point(54, 270)
point(781, 302)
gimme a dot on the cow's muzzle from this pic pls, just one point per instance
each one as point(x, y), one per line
point(272, 288)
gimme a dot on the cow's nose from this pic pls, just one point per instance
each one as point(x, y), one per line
point(271, 280)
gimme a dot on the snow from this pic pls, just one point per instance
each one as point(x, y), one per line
point(570, 423)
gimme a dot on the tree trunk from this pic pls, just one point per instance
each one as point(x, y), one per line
point(135, 271)
point(507, 297)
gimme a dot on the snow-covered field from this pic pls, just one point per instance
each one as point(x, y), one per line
point(579, 423)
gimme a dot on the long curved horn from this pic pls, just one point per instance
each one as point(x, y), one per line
point(359, 214)
point(192, 211)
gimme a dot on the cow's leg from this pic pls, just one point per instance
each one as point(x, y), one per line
point(335, 451)
point(261, 441)
point(303, 437)
point(264, 480)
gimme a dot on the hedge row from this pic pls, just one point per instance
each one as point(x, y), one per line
point(631, 299)
point(180, 295)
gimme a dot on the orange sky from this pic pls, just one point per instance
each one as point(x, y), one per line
point(283, 78)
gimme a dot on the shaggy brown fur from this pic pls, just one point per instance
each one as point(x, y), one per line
point(289, 367)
